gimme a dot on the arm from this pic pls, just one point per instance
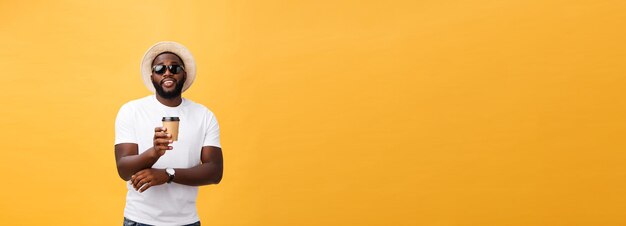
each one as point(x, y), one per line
point(129, 162)
point(209, 172)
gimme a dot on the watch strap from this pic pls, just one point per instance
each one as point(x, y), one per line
point(170, 177)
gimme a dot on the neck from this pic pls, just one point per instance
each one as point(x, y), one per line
point(170, 102)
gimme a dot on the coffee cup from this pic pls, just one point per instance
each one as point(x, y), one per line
point(171, 123)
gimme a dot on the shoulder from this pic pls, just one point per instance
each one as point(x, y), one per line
point(137, 102)
point(132, 106)
point(199, 108)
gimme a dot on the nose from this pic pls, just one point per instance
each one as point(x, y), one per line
point(167, 73)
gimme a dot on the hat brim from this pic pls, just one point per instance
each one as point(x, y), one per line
point(168, 46)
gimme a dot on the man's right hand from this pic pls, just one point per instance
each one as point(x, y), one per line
point(161, 140)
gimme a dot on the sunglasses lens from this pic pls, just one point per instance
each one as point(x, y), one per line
point(159, 69)
point(176, 69)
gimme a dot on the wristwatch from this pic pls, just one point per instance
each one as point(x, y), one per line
point(170, 173)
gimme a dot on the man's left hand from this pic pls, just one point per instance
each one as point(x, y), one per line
point(147, 178)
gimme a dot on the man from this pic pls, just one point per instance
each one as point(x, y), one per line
point(163, 175)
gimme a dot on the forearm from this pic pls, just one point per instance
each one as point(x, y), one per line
point(129, 165)
point(203, 174)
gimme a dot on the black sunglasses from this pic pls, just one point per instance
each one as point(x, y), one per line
point(160, 69)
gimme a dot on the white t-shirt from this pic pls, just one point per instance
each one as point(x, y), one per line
point(166, 204)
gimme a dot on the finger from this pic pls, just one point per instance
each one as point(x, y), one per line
point(145, 187)
point(132, 180)
point(159, 129)
point(142, 182)
point(146, 180)
point(137, 180)
point(161, 135)
point(162, 142)
point(161, 148)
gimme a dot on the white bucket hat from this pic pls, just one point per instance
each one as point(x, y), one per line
point(168, 46)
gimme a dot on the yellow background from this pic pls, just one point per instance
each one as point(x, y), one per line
point(332, 112)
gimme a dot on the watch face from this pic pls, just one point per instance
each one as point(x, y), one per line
point(170, 171)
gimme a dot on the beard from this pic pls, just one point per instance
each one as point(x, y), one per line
point(172, 94)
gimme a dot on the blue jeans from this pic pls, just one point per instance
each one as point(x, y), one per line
point(128, 222)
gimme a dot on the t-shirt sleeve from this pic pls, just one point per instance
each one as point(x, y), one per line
point(212, 136)
point(124, 129)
